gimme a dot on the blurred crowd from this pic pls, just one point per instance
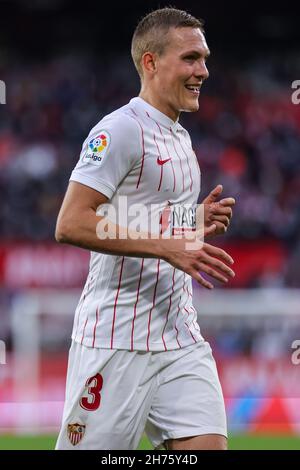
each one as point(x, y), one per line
point(246, 136)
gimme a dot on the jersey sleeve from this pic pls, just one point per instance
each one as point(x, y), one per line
point(108, 154)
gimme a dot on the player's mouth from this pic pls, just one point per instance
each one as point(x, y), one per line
point(194, 89)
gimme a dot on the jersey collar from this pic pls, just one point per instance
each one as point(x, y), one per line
point(143, 107)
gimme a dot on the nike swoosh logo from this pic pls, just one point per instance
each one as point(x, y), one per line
point(162, 162)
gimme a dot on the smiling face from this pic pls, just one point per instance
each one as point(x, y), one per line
point(175, 77)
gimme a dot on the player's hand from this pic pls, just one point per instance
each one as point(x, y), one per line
point(208, 259)
point(217, 213)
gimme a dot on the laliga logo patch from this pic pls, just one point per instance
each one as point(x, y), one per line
point(97, 148)
point(75, 432)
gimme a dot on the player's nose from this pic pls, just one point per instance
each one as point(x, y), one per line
point(201, 71)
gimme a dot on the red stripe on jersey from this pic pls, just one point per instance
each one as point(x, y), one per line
point(168, 155)
point(83, 299)
point(94, 334)
point(177, 332)
point(196, 325)
point(198, 168)
point(183, 286)
point(154, 294)
point(143, 145)
point(191, 306)
point(190, 332)
point(183, 289)
point(189, 293)
point(137, 299)
point(195, 318)
point(115, 306)
point(161, 166)
point(186, 311)
point(80, 313)
point(174, 176)
point(84, 329)
point(159, 154)
point(170, 303)
point(186, 289)
point(171, 132)
point(187, 159)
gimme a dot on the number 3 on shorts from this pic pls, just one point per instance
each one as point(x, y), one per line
point(94, 386)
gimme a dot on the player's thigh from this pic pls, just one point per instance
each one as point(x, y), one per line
point(108, 397)
point(189, 401)
point(205, 442)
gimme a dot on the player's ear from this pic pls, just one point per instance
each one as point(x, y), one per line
point(149, 62)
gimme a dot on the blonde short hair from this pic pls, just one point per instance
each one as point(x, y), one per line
point(151, 32)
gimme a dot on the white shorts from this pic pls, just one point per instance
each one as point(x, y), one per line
point(113, 396)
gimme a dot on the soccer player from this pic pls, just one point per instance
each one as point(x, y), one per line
point(138, 360)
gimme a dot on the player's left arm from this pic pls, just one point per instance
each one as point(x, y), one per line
point(217, 212)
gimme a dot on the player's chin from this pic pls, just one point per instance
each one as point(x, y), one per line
point(192, 105)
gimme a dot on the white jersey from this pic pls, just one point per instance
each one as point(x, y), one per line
point(137, 303)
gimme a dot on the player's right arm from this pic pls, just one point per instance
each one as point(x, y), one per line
point(77, 225)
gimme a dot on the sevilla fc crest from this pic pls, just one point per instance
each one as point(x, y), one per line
point(75, 433)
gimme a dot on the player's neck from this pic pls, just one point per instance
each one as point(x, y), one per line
point(157, 103)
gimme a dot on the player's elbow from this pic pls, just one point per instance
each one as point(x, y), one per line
point(63, 231)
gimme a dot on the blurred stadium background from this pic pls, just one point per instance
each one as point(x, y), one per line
point(65, 66)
